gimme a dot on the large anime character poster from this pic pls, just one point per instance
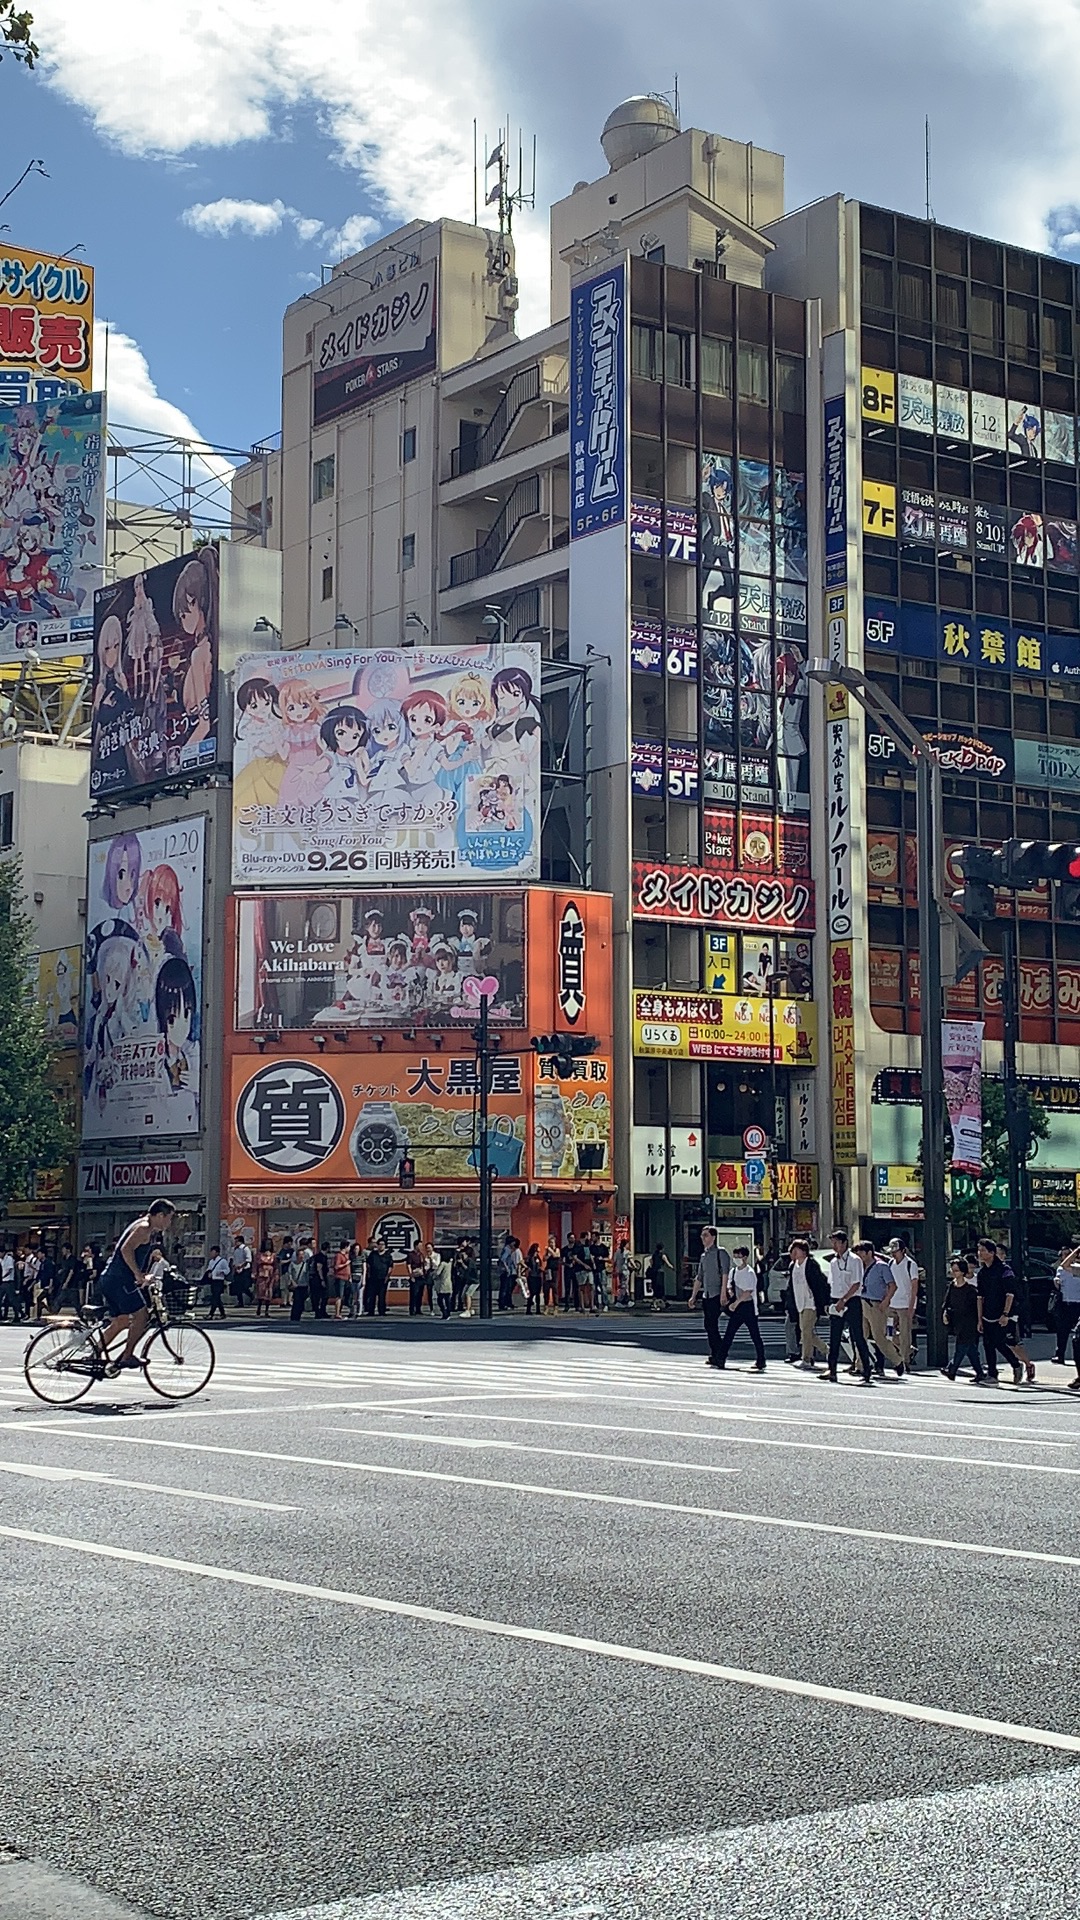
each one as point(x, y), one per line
point(52, 522)
point(154, 711)
point(417, 763)
point(143, 982)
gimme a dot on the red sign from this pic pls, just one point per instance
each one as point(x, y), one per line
point(732, 900)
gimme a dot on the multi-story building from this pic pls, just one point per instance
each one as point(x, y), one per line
point(953, 364)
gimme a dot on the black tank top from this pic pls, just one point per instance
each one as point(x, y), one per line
point(117, 1268)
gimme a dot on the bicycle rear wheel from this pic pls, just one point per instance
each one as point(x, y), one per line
point(178, 1361)
point(60, 1365)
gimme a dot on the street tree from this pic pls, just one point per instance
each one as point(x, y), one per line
point(33, 1131)
point(16, 33)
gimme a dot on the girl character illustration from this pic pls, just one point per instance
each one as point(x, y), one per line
point(174, 1005)
point(1027, 540)
point(386, 738)
point(63, 1019)
point(344, 734)
point(143, 640)
point(470, 712)
point(425, 715)
point(195, 611)
point(259, 727)
point(512, 692)
point(506, 803)
point(160, 919)
point(31, 578)
point(119, 887)
point(110, 683)
point(308, 768)
point(112, 1019)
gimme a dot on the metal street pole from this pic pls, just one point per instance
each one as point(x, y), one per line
point(484, 1064)
point(928, 823)
point(1010, 1021)
point(935, 1206)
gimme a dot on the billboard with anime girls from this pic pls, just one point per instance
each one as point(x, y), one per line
point(405, 764)
point(143, 983)
point(154, 709)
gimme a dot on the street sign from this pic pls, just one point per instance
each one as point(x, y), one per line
point(754, 1140)
point(754, 1174)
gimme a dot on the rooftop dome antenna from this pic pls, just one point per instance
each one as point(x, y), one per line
point(638, 126)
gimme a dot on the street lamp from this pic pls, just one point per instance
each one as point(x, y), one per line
point(935, 917)
point(263, 625)
point(496, 620)
point(342, 624)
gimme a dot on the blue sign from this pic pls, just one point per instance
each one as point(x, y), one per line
point(598, 402)
point(835, 493)
point(754, 1172)
point(965, 639)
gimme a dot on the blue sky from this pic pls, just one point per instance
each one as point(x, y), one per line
point(288, 126)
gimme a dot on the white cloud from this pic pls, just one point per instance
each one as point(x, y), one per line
point(258, 218)
point(142, 418)
point(222, 217)
point(840, 88)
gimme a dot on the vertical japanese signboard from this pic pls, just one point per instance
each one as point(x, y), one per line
point(598, 335)
point(46, 322)
point(838, 786)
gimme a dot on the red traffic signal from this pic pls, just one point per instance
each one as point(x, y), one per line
point(406, 1171)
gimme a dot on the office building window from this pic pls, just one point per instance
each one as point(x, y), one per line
point(716, 366)
point(754, 374)
point(679, 359)
point(328, 583)
point(790, 383)
point(645, 352)
point(408, 445)
point(408, 552)
point(322, 478)
point(7, 819)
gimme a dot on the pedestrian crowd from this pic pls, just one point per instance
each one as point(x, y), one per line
point(857, 1306)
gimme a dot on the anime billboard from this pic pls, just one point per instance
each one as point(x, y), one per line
point(143, 982)
point(154, 712)
point(318, 961)
point(412, 764)
point(52, 523)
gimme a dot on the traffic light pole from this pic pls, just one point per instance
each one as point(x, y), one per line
point(935, 1206)
point(483, 1058)
point(1014, 1119)
point(928, 833)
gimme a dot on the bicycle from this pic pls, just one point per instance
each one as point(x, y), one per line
point(64, 1360)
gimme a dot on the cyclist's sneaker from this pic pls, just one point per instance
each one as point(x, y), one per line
point(117, 1366)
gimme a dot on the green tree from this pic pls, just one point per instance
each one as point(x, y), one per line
point(33, 1132)
point(16, 31)
point(970, 1210)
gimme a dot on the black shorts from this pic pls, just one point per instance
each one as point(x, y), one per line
point(120, 1293)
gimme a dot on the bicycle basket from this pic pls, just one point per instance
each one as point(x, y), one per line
point(178, 1296)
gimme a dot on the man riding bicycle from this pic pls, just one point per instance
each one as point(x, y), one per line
point(122, 1280)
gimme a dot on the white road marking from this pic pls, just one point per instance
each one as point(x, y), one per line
point(780, 1521)
point(32, 1471)
point(518, 1446)
point(753, 1440)
point(574, 1643)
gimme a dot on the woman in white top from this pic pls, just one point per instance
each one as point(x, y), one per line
point(905, 1275)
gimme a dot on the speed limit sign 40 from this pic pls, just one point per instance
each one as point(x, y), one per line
point(754, 1140)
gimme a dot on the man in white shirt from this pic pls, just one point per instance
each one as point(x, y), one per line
point(740, 1294)
point(241, 1272)
point(905, 1275)
point(9, 1292)
point(845, 1307)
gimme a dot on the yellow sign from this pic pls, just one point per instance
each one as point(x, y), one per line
point(796, 1182)
point(879, 396)
point(46, 316)
point(879, 508)
point(724, 1026)
point(898, 1190)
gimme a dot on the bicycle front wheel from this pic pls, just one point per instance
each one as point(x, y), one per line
point(178, 1361)
point(61, 1365)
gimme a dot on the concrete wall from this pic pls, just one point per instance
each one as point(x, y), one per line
point(51, 794)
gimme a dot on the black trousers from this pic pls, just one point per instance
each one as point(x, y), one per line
point(299, 1302)
point(743, 1315)
point(852, 1319)
point(217, 1302)
point(374, 1297)
point(320, 1294)
point(1066, 1319)
point(712, 1310)
point(995, 1343)
point(416, 1296)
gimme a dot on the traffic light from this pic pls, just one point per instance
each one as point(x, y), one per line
point(406, 1174)
point(564, 1049)
point(1027, 861)
point(982, 871)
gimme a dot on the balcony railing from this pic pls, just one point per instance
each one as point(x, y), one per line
point(525, 387)
point(523, 504)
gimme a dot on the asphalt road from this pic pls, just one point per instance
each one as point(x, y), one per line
point(414, 1623)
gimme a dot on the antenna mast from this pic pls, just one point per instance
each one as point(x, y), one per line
point(508, 198)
